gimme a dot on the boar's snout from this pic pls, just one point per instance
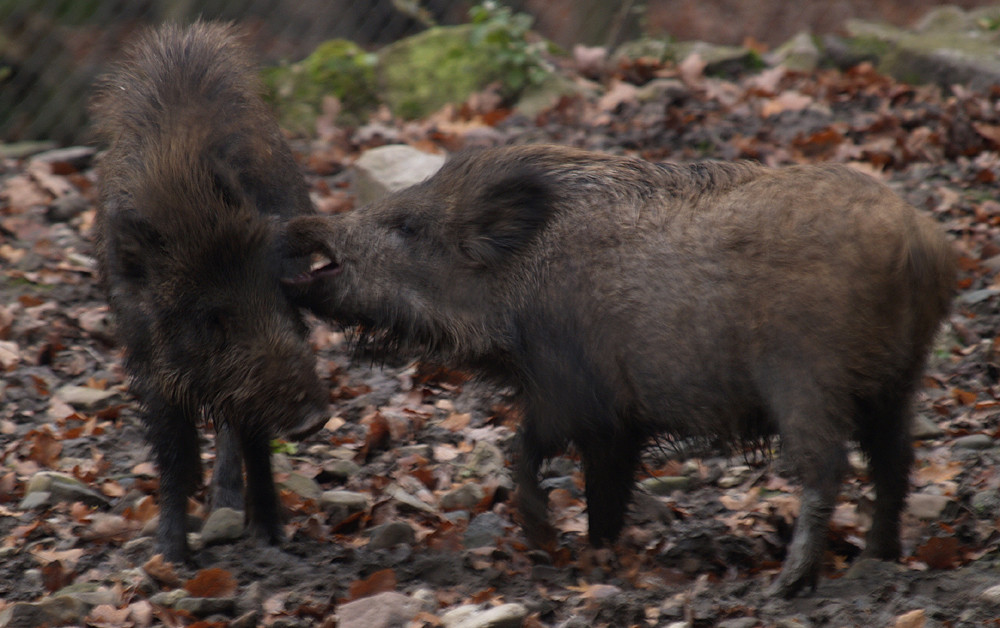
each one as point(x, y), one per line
point(307, 258)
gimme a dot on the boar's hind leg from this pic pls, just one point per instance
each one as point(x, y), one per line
point(262, 498)
point(173, 434)
point(821, 471)
point(609, 472)
point(814, 428)
point(227, 474)
point(884, 436)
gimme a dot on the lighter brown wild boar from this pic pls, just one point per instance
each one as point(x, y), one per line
point(626, 300)
point(195, 179)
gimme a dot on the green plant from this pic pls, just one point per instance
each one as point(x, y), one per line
point(505, 35)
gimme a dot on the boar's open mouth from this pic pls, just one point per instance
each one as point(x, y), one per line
point(322, 264)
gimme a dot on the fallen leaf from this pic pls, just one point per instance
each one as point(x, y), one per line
point(212, 582)
point(913, 619)
point(162, 571)
point(378, 582)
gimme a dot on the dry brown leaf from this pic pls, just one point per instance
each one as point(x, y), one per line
point(162, 571)
point(378, 582)
point(786, 101)
point(212, 582)
point(456, 422)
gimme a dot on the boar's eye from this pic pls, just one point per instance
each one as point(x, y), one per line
point(406, 226)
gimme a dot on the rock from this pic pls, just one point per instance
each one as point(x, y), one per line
point(799, 53)
point(924, 429)
point(719, 60)
point(36, 499)
point(426, 598)
point(486, 460)
point(399, 494)
point(136, 579)
point(204, 606)
point(67, 207)
point(84, 397)
point(391, 534)
point(510, 615)
point(52, 611)
point(383, 610)
point(424, 451)
point(463, 498)
point(537, 98)
point(739, 622)
point(76, 157)
point(662, 90)
point(927, 507)
point(985, 504)
point(563, 482)
point(483, 530)
point(387, 169)
point(90, 593)
point(991, 595)
point(948, 46)
point(302, 486)
point(353, 502)
point(973, 441)
point(341, 469)
point(222, 525)
point(734, 476)
point(873, 569)
point(666, 484)
point(169, 598)
point(64, 488)
point(21, 150)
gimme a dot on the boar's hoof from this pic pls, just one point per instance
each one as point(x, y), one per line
point(790, 583)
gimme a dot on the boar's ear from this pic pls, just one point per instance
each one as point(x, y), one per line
point(133, 247)
point(506, 216)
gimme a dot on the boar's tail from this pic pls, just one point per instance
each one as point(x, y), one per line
point(931, 266)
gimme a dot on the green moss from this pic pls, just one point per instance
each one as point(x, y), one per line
point(338, 68)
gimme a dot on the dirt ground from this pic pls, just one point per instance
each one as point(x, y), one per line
point(405, 435)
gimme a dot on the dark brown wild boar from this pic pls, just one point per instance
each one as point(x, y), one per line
point(626, 300)
point(195, 179)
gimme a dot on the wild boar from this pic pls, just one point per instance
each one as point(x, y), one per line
point(194, 182)
point(626, 300)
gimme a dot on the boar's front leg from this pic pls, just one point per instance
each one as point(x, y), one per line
point(609, 463)
point(263, 513)
point(172, 431)
point(227, 474)
point(532, 501)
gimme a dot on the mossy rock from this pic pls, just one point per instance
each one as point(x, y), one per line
point(338, 68)
point(420, 74)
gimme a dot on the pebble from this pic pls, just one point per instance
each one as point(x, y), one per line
point(391, 534)
point(204, 606)
point(222, 525)
point(62, 487)
point(84, 397)
point(973, 441)
point(927, 507)
point(383, 610)
point(991, 595)
point(925, 429)
point(666, 484)
point(483, 530)
point(52, 611)
point(341, 469)
point(353, 502)
point(510, 615)
point(463, 498)
point(302, 486)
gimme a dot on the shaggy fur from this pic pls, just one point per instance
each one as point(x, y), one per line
point(195, 177)
point(626, 300)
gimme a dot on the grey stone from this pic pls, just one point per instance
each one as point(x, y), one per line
point(383, 610)
point(927, 507)
point(923, 428)
point(483, 530)
point(991, 595)
point(973, 441)
point(301, 486)
point(341, 469)
point(799, 53)
point(509, 615)
point(66, 488)
point(204, 606)
point(53, 611)
point(222, 525)
point(666, 484)
point(84, 397)
point(387, 169)
point(424, 451)
point(391, 534)
point(463, 498)
point(486, 460)
point(353, 502)
point(169, 598)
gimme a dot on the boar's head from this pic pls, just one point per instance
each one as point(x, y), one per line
point(436, 267)
point(194, 283)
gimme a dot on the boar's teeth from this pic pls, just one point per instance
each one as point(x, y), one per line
point(318, 261)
